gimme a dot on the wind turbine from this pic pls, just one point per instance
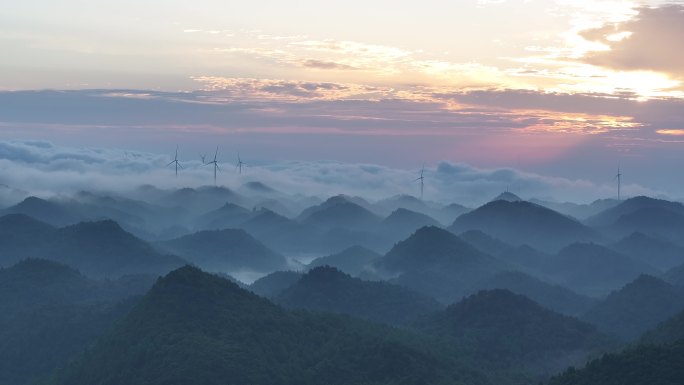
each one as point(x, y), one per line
point(618, 176)
point(421, 178)
point(239, 164)
point(175, 160)
point(215, 163)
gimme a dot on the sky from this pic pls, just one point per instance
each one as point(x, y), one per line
point(552, 90)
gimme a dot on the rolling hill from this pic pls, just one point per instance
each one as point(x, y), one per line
point(271, 285)
point(352, 260)
point(227, 216)
point(511, 329)
point(554, 297)
point(402, 222)
point(594, 270)
point(438, 263)
point(521, 222)
point(226, 250)
point(193, 327)
point(341, 212)
point(630, 206)
point(636, 308)
point(49, 312)
point(46, 211)
point(330, 290)
point(97, 249)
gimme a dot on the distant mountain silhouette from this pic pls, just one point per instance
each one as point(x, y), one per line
point(438, 263)
point(334, 201)
point(98, 249)
point(554, 297)
point(226, 250)
point(450, 212)
point(327, 289)
point(193, 327)
point(522, 222)
point(630, 206)
point(226, 217)
point(43, 210)
point(280, 232)
point(579, 211)
point(594, 270)
point(402, 201)
point(352, 260)
point(511, 329)
point(443, 214)
point(273, 284)
point(195, 200)
point(103, 248)
point(508, 197)
point(259, 187)
point(636, 308)
point(340, 212)
point(287, 235)
point(637, 365)
point(276, 206)
point(141, 218)
point(657, 252)
point(402, 223)
point(656, 222)
point(266, 223)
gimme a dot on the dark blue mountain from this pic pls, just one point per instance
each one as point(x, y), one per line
point(327, 289)
point(636, 308)
point(522, 222)
point(438, 263)
point(226, 250)
point(594, 270)
point(352, 260)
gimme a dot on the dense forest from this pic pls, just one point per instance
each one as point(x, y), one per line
point(191, 286)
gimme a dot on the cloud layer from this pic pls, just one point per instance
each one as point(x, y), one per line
point(648, 42)
point(44, 169)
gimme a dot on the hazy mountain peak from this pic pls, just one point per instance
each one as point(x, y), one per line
point(521, 222)
point(258, 187)
point(351, 260)
point(326, 288)
point(18, 221)
point(507, 196)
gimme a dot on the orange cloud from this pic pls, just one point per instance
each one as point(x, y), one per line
point(675, 132)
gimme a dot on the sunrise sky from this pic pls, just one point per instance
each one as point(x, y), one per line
point(559, 88)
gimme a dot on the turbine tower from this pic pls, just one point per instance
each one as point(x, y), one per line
point(175, 160)
point(618, 176)
point(215, 163)
point(421, 178)
point(239, 164)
